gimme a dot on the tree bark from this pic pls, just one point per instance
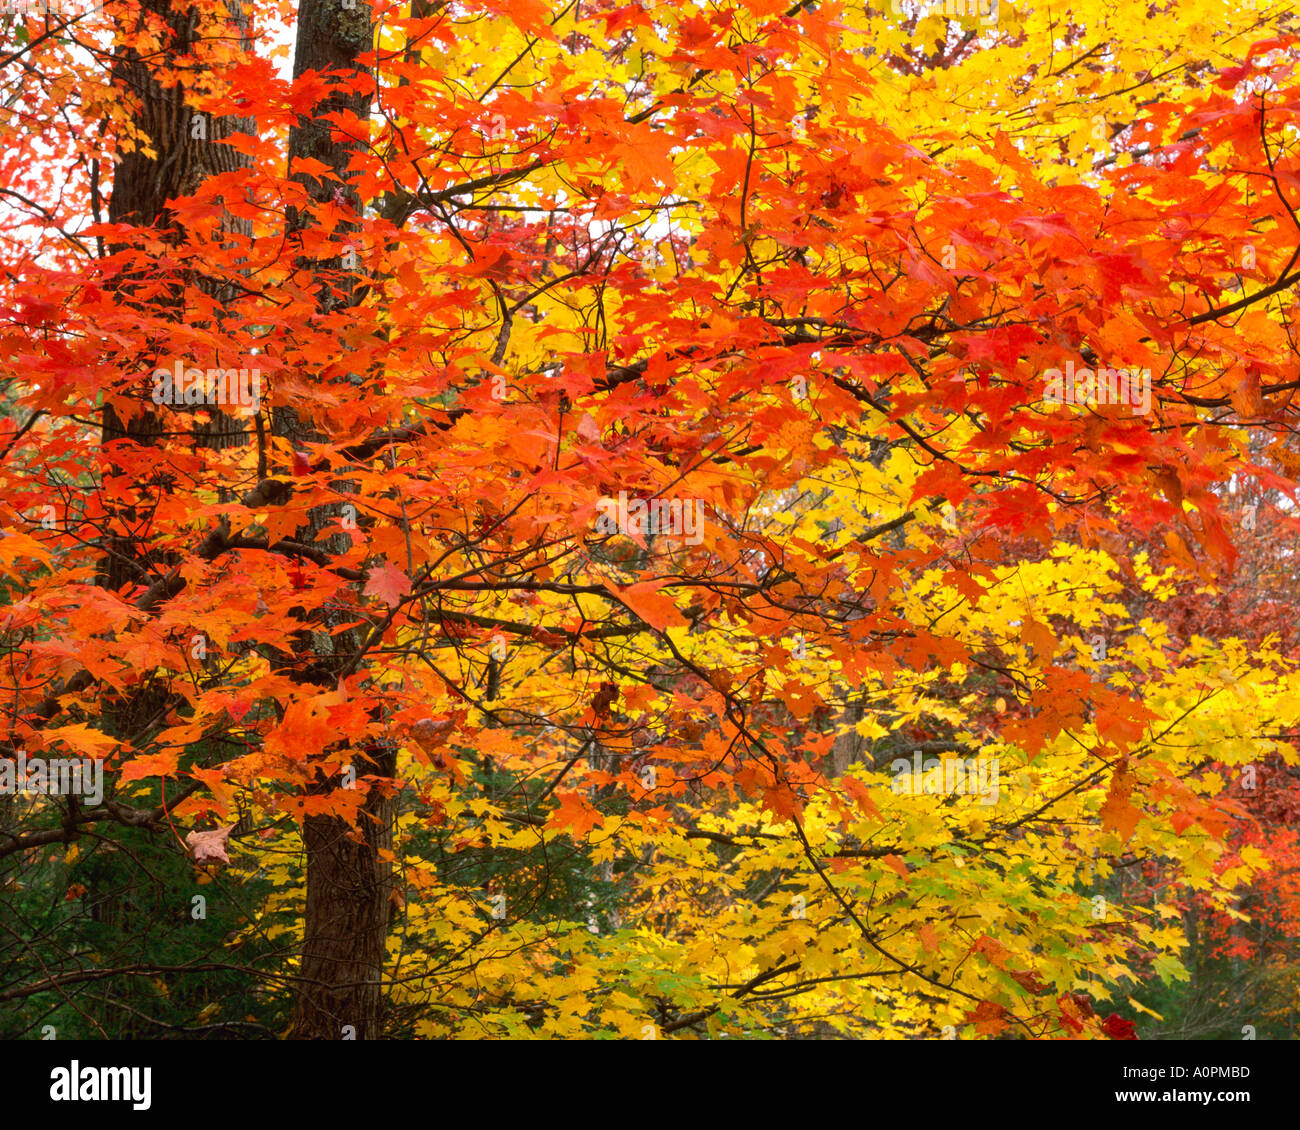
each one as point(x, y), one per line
point(183, 151)
point(348, 885)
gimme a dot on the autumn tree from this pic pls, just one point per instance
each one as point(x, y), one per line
point(663, 424)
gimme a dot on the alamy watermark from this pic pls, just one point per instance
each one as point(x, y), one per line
point(672, 517)
point(65, 8)
point(58, 776)
point(1131, 387)
point(953, 775)
point(196, 388)
point(985, 12)
point(75, 1083)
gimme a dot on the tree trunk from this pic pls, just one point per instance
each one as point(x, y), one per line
point(346, 923)
point(185, 152)
point(348, 885)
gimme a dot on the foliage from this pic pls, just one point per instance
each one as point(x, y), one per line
point(802, 271)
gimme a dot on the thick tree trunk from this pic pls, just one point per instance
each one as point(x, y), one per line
point(346, 917)
point(184, 151)
point(348, 886)
point(346, 923)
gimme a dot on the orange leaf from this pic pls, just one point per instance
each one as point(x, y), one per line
point(1038, 636)
point(154, 765)
point(646, 601)
point(1117, 813)
point(780, 799)
point(85, 740)
point(576, 813)
point(897, 864)
point(994, 952)
point(860, 794)
point(989, 1018)
point(929, 937)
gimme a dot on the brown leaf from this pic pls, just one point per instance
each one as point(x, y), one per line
point(604, 697)
point(210, 845)
point(1029, 981)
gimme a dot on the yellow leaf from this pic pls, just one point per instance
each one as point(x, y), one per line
point(1143, 1008)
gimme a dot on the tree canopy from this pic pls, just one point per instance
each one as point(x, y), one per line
point(586, 519)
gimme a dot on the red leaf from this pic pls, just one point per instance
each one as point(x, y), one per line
point(1117, 1028)
point(388, 583)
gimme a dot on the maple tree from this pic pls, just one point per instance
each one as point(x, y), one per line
point(634, 439)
